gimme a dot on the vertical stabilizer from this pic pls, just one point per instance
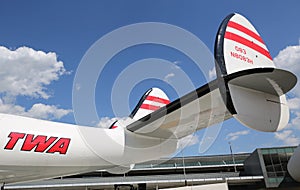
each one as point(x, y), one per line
point(151, 101)
point(240, 47)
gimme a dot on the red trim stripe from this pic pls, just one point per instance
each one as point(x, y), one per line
point(113, 127)
point(245, 30)
point(248, 43)
point(149, 107)
point(158, 99)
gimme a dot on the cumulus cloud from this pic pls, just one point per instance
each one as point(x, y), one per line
point(236, 135)
point(187, 141)
point(289, 59)
point(295, 121)
point(39, 111)
point(105, 122)
point(287, 137)
point(43, 111)
point(11, 108)
point(294, 103)
point(27, 72)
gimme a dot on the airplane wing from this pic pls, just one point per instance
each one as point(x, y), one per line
point(196, 110)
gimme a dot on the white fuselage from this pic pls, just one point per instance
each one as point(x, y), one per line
point(34, 149)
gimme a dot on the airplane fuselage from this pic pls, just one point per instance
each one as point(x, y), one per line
point(33, 149)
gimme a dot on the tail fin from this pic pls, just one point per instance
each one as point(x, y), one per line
point(239, 46)
point(152, 100)
point(251, 86)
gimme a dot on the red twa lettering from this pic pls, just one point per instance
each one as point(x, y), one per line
point(14, 137)
point(40, 143)
point(60, 146)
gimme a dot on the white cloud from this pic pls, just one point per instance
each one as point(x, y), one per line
point(39, 111)
point(187, 141)
point(295, 121)
point(105, 122)
point(236, 135)
point(11, 108)
point(43, 111)
point(175, 69)
point(289, 59)
point(294, 103)
point(287, 137)
point(168, 76)
point(26, 72)
point(212, 73)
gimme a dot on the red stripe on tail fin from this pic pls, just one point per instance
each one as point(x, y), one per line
point(151, 101)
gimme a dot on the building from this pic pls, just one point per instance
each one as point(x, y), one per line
point(264, 168)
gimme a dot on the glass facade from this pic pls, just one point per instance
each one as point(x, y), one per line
point(274, 165)
point(195, 162)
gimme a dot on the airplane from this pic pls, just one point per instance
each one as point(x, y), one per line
point(248, 87)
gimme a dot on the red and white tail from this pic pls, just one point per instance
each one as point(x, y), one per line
point(252, 88)
point(151, 101)
point(243, 47)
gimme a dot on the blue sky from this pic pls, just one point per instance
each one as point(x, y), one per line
point(69, 29)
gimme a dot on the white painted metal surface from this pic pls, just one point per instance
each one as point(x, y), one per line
point(294, 165)
point(243, 47)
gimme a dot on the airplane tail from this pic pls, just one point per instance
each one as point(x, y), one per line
point(251, 87)
point(248, 87)
point(151, 101)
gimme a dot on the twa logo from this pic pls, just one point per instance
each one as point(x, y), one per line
point(39, 143)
